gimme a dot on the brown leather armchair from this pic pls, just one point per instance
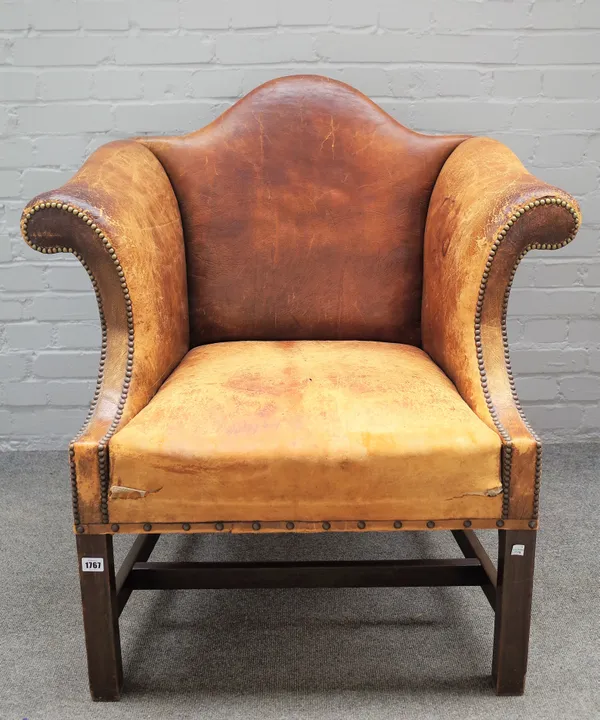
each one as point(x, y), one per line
point(303, 311)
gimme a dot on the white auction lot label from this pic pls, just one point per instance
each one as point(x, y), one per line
point(89, 564)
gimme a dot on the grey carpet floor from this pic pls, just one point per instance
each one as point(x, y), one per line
point(369, 654)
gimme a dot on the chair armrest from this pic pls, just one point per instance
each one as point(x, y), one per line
point(119, 216)
point(486, 212)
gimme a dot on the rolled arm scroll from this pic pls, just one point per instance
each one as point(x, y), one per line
point(119, 216)
point(486, 212)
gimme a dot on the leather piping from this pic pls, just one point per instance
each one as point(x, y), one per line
point(103, 442)
point(507, 447)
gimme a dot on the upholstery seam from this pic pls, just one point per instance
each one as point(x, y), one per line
point(507, 446)
point(102, 444)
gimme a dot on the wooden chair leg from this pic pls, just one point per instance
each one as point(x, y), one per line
point(516, 555)
point(100, 615)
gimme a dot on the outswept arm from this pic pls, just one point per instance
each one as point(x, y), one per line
point(119, 216)
point(486, 212)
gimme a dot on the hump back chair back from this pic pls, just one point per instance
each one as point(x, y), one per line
point(303, 310)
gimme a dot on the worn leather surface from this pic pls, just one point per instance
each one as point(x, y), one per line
point(478, 190)
point(305, 430)
point(304, 208)
point(125, 190)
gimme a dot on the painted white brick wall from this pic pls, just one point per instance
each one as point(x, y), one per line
point(78, 73)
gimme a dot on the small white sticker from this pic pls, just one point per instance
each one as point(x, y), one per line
point(518, 550)
point(92, 564)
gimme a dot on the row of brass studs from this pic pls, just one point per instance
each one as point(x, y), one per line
point(103, 442)
point(532, 246)
point(507, 443)
point(507, 448)
point(256, 526)
point(72, 467)
point(511, 379)
point(361, 525)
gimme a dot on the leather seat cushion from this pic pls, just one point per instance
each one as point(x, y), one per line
point(305, 430)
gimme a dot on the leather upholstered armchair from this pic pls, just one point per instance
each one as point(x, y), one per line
point(303, 310)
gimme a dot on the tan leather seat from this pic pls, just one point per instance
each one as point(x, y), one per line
point(305, 430)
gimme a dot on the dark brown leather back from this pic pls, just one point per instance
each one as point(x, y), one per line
point(304, 210)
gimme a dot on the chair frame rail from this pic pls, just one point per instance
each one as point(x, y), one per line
point(508, 590)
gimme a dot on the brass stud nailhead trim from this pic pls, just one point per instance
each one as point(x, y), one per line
point(315, 526)
point(361, 524)
point(326, 525)
point(507, 447)
point(103, 442)
point(114, 527)
point(80, 529)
